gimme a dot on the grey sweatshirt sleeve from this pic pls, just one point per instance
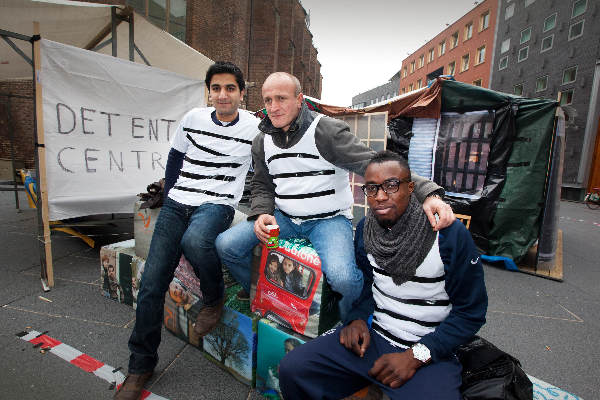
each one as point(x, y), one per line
point(262, 198)
point(343, 149)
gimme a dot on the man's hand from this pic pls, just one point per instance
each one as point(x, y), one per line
point(395, 369)
point(435, 205)
point(356, 337)
point(260, 226)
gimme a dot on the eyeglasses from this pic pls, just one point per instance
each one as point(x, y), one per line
point(389, 186)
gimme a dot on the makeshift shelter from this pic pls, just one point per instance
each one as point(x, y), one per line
point(498, 156)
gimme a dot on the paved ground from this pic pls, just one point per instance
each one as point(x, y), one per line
point(552, 327)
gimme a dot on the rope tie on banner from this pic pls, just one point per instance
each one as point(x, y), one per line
point(34, 38)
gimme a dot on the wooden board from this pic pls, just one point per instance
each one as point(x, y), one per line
point(551, 270)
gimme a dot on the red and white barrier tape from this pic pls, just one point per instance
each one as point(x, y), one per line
point(83, 361)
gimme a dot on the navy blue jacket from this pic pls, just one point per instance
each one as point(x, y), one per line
point(464, 284)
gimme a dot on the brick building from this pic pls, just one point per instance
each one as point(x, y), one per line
point(260, 36)
point(546, 48)
point(463, 49)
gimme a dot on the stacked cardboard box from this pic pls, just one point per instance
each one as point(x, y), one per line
point(121, 271)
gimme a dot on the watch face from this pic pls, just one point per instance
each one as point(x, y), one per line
point(421, 352)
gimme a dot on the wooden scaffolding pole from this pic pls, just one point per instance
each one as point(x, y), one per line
point(47, 268)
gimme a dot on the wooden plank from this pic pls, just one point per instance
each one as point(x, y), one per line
point(551, 270)
point(49, 270)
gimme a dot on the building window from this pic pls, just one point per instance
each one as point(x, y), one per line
point(547, 43)
point(529, 2)
point(431, 54)
point(419, 84)
point(569, 75)
point(404, 72)
point(169, 16)
point(579, 8)
point(477, 82)
point(451, 68)
point(480, 54)
point(509, 12)
point(403, 90)
point(442, 48)
point(566, 97)
point(484, 21)
point(541, 83)
point(464, 65)
point(454, 40)
point(412, 67)
point(523, 54)
point(505, 46)
point(550, 22)
point(503, 63)
point(525, 35)
point(421, 60)
point(468, 31)
point(410, 87)
point(576, 30)
point(518, 89)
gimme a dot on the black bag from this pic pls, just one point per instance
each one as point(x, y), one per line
point(491, 374)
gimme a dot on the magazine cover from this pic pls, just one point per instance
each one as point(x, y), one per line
point(292, 291)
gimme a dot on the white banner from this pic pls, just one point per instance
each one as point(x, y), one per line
point(107, 125)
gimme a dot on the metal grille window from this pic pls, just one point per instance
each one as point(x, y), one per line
point(462, 151)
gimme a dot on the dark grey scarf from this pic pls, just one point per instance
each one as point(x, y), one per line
point(400, 249)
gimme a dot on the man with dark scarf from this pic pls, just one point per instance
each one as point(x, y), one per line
point(425, 291)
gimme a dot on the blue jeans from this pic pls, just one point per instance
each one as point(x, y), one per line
point(331, 238)
point(180, 228)
point(324, 369)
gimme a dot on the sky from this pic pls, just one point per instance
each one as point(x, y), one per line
point(361, 44)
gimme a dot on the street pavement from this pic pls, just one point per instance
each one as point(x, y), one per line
point(551, 327)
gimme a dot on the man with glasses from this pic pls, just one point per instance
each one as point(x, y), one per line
point(301, 183)
point(425, 291)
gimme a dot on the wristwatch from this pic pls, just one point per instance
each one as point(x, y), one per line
point(421, 352)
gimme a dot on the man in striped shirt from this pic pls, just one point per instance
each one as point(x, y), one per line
point(204, 180)
point(424, 289)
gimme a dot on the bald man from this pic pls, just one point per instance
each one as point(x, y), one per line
point(302, 161)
